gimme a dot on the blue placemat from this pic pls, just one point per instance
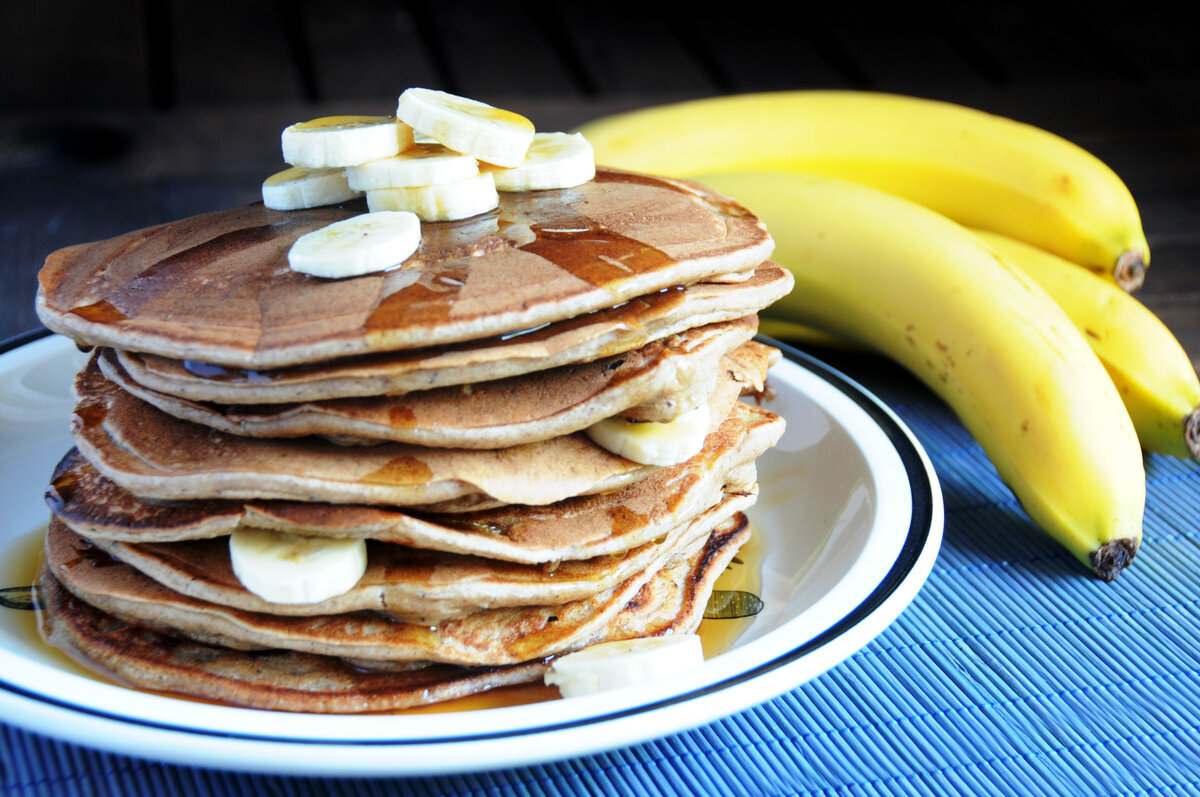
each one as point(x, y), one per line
point(1013, 672)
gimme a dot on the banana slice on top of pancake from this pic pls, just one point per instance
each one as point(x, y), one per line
point(339, 141)
point(296, 188)
point(449, 201)
point(492, 135)
point(357, 245)
point(554, 160)
point(425, 163)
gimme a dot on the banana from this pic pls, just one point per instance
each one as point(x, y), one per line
point(464, 125)
point(927, 292)
point(439, 201)
point(609, 665)
point(424, 163)
point(1151, 370)
point(289, 568)
point(337, 141)
point(802, 335)
point(981, 170)
point(554, 160)
point(653, 442)
point(297, 188)
point(358, 245)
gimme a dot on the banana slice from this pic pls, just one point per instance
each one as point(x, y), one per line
point(554, 160)
point(344, 140)
point(652, 442)
point(357, 245)
point(297, 188)
point(439, 201)
point(490, 134)
point(422, 164)
point(609, 665)
point(290, 568)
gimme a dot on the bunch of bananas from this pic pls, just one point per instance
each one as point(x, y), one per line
point(993, 259)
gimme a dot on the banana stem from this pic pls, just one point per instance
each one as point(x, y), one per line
point(1112, 557)
point(1130, 271)
point(1191, 433)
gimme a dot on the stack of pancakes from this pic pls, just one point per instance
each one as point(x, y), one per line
point(435, 410)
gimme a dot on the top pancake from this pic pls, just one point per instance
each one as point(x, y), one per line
point(217, 287)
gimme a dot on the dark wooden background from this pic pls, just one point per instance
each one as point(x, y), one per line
point(121, 114)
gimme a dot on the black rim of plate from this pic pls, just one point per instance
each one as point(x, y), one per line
point(23, 339)
point(920, 528)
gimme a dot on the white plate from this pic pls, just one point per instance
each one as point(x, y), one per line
point(849, 510)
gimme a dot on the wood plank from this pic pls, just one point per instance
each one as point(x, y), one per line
point(899, 47)
point(1157, 40)
point(231, 51)
point(746, 55)
point(58, 54)
point(366, 51)
point(633, 48)
point(488, 48)
point(1028, 42)
point(45, 209)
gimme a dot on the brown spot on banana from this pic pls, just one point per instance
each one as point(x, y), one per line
point(1064, 184)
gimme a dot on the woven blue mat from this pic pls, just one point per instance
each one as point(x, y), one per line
point(1013, 672)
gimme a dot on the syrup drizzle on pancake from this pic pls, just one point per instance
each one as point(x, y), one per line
point(216, 287)
point(628, 315)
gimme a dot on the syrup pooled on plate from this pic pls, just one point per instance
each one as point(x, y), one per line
point(25, 556)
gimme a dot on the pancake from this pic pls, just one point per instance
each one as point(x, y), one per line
point(278, 680)
point(577, 528)
point(157, 456)
point(603, 333)
point(217, 287)
point(490, 637)
point(654, 383)
point(285, 680)
point(437, 410)
point(408, 584)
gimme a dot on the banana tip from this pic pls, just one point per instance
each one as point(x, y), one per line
point(1191, 433)
point(1113, 557)
point(1130, 271)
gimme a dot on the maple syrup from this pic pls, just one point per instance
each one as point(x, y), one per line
point(741, 584)
point(19, 568)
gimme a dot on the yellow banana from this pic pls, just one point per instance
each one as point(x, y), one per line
point(797, 334)
point(931, 295)
point(1151, 370)
point(979, 169)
